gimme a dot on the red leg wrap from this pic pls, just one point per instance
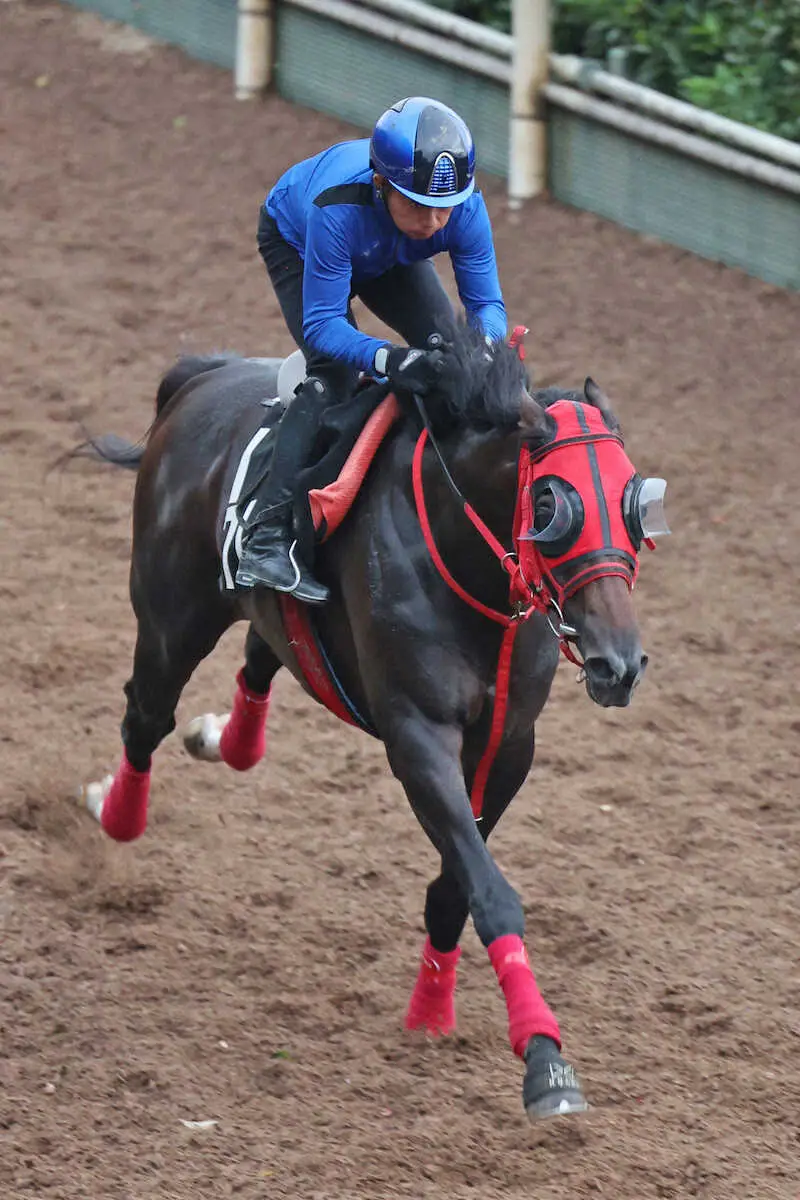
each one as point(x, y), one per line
point(527, 1012)
point(432, 1004)
point(124, 815)
point(244, 738)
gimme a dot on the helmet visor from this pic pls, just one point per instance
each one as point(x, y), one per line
point(427, 201)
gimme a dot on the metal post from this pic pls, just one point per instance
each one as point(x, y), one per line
point(617, 61)
point(527, 168)
point(254, 38)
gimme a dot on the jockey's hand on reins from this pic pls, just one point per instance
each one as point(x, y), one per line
point(416, 371)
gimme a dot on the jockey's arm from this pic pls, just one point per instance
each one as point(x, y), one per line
point(327, 281)
point(475, 269)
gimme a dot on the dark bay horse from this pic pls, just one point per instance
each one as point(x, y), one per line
point(506, 528)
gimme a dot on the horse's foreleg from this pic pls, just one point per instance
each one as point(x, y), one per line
point(238, 738)
point(432, 1005)
point(425, 757)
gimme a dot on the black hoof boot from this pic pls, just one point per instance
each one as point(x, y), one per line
point(551, 1087)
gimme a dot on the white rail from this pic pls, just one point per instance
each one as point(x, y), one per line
point(446, 50)
point(587, 75)
point(413, 12)
point(527, 149)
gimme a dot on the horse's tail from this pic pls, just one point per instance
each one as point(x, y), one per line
point(112, 449)
point(119, 452)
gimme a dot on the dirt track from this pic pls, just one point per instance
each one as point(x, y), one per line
point(250, 959)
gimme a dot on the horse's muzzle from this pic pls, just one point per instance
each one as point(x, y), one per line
point(611, 679)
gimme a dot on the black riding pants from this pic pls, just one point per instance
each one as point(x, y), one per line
point(409, 299)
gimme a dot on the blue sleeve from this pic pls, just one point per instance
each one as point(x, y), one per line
point(327, 278)
point(475, 270)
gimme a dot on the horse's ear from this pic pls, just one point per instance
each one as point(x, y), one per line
point(597, 397)
point(531, 414)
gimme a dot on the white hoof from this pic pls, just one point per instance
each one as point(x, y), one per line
point(94, 794)
point(201, 736)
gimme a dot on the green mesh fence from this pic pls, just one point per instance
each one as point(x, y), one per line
point(354, 75)
point(689, 203)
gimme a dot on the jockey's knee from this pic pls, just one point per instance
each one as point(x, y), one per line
point(335, 381)
point(312, 397)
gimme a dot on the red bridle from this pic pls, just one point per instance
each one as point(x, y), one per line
point(524, 601)
point(533, 583)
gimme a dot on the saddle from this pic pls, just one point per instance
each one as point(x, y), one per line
point(347, 441)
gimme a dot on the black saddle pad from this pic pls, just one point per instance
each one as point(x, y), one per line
point(338, 431)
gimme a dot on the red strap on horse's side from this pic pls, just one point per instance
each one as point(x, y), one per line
point(300, 636)
point(501, 687)
point(332, 503)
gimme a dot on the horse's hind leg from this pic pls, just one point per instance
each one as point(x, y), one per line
point(432, 1004)
point(165, 656)
point(239, 738)
point(243, 741)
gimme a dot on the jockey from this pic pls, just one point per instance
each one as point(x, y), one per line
point(364, 218)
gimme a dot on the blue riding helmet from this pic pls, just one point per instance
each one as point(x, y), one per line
point(425, 151)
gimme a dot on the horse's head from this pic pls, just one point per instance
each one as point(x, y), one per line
point(583, 513)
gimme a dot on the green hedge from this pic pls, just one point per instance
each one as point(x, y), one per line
point(740, 58)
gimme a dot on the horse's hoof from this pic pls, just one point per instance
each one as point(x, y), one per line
point(551, 1087)
point(94, 794)
point(202, 735)
point(434, 1025)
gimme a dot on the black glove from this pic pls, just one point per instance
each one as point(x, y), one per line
point(410, 370)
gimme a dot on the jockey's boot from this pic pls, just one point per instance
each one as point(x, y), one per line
point(269, 555)
point(269, 558)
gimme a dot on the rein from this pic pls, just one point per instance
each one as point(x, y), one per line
point(525, 597)
point(519, 589)
point(525, 600)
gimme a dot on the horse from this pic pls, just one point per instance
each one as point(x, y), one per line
point(497, 527)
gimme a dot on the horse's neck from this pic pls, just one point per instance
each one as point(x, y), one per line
point(484, 467)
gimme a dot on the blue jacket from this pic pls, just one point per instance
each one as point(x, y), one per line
point(328, 209)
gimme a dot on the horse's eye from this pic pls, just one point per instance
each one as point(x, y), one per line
point(544, 510)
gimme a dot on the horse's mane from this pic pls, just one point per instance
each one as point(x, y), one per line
point(482, 385)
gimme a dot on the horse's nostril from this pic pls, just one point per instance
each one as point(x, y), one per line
point(614, 671)
point(602, 672)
